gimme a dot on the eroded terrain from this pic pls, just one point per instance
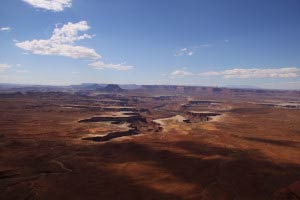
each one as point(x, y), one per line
point(137, 145)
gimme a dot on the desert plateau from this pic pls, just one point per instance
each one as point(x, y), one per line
point(154, 142)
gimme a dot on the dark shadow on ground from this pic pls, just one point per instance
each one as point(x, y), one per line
point(246, 172)
point(112, 135)
point(284, 143)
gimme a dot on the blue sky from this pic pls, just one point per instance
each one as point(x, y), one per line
point(186, 42)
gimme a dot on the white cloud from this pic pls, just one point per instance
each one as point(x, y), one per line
point(184, 52)
point(191, 50)
point(21, 71)
point(181, 73)
point(291, 72)
point(206, 45)
point(5, 28)
point(4, 67)
point(54, 5)
point(62, 42)
point(101, 65)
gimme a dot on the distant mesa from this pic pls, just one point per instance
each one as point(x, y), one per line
point(111, 88)
point(89, 86)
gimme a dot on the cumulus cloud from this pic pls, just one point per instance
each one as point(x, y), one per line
point(291, 72)
point(184, 52)
point(53, 5)
point(101, 65)
point(4, 67)
point(62, 42)
point(181, 73)
point(5, 28)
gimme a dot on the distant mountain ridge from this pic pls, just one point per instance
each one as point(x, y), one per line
point(87, 88)
point(242, 86)
point(111, 88)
